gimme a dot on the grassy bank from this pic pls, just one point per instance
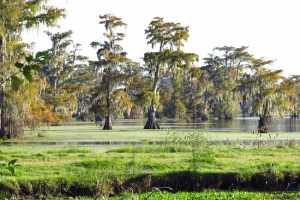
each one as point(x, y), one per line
point(184, 160)
point(94, 170)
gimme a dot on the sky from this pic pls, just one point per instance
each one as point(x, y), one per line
point(270, 28)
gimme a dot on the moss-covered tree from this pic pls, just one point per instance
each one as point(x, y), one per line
point(60, 74)
point(225, 68)
point(166, 40)
point(16, 16)
point(112, 68)
point(269, 91)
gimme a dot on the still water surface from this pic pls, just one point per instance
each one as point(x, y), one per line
point(236, 125)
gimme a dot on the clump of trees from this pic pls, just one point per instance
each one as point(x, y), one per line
point(270, 93)
point(16, 62)
point(224, 69)
point(56, 84)
point(60, 75)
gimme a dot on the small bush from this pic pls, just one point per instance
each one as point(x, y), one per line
point(10, 166)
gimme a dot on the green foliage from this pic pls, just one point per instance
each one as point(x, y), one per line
point(16, 16)
point(16, 82)
point(11, 166)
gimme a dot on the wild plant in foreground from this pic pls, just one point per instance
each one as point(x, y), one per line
point(200, 150)
point(195, 142)
point(11, 166)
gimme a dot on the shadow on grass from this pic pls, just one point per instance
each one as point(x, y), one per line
point(175, 182)
point(194, 181)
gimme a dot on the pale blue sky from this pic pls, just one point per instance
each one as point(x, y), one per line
point(269, 27)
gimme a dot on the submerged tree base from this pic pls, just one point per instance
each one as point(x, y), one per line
point(264, 124)
point(107, 124)
point(151, 124)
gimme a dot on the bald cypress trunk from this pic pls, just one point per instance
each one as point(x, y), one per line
point(2, 114)
point(152, 122)
point(107, 123)
point(108, 117)
point(265, 119)
point(264, 124)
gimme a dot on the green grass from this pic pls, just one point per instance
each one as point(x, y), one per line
point(46, 169)
point(209, 195)
point(48, 161)
point(87, 165)
point(212, 195)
